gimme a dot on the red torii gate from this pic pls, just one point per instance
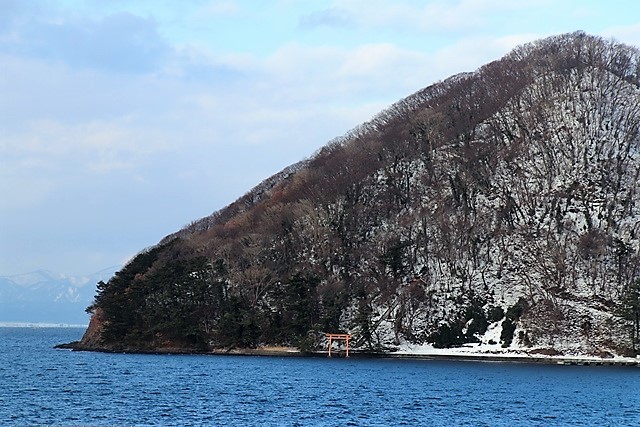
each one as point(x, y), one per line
point(338, 337)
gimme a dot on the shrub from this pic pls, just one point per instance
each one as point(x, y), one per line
point(508, 328)
point(477, 326)
point(509, 323)
point(495, 313)
point(447, 336)
point(515, 311)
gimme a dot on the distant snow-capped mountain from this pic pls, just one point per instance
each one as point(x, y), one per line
point(46, 296)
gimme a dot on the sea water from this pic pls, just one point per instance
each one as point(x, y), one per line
point(43, 386)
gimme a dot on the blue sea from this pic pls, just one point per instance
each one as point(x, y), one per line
point(43, 386)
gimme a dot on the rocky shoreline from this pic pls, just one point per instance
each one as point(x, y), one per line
point(261, 351)
point(91, 342)
point(293, 352)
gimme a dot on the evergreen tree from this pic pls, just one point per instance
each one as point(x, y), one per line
point(630, 310)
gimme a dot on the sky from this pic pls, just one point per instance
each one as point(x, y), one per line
point(123, 121)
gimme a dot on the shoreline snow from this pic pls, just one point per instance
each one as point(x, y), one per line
point(497, 353)
point(421, 352)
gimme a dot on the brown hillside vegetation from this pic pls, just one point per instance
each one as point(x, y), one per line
point(507, 196)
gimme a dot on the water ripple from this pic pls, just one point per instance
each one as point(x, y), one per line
point(42, 386)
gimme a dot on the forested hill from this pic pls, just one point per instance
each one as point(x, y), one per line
point(505, 200)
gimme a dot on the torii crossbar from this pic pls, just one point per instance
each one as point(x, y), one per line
point(338, 337)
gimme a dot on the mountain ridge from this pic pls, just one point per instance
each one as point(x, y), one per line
point(502, 200)
point(44, 296)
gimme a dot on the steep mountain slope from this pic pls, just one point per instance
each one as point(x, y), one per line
point(504, 199)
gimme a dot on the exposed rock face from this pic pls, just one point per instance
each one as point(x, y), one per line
point(502, 203)
point(91, 338)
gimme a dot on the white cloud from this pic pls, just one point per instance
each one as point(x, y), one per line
point(295, 100)
point(467, 54)
point(629, 34)
point(367, 60)
point(459, 16)
point(26, 191)
point(49, 156)
point(216, 9)
point(303, 74)
point(334, 17)
point(207, 100)
point(121, 41)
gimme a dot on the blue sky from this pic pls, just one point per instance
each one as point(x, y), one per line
point(122, 121)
